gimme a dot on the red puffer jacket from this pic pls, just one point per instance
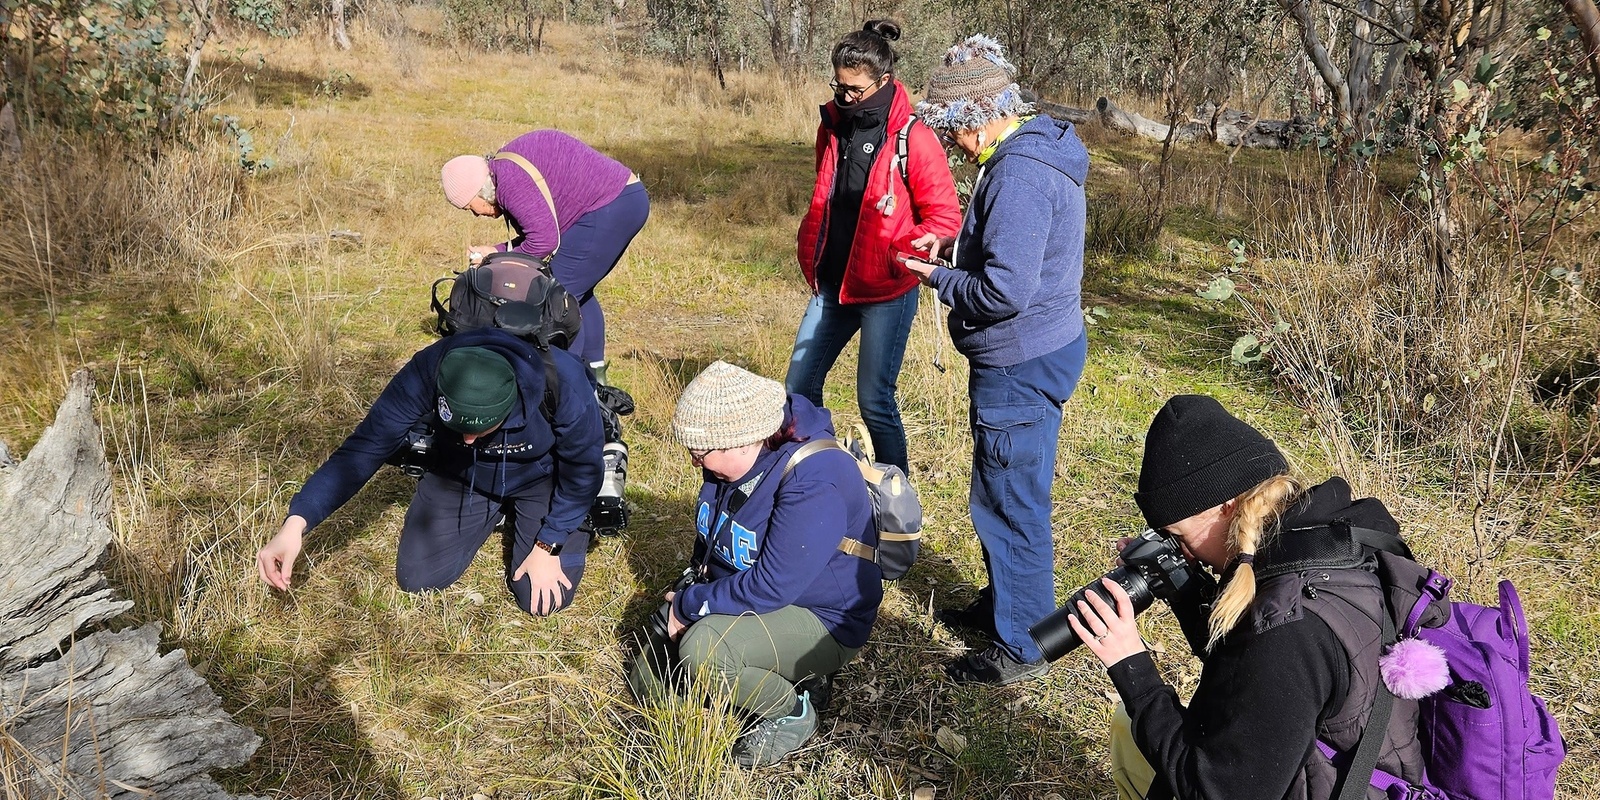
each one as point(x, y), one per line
point(928, 205)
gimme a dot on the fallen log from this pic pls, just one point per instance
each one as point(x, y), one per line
point(1226, 128)
point(1123, 121)
point(1077, 116)
point(86, 712)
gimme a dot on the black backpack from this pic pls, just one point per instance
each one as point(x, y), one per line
point(511, 291)
point(515, 293)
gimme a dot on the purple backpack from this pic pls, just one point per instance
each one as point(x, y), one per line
point(1485, 736)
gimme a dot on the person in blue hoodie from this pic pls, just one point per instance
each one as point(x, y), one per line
point(782, 589)
point(502, 446)
point(1012, 286)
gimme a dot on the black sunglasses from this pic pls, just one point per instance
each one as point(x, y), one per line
point(855, 91)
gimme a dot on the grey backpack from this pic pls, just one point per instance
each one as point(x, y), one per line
point(896, 511)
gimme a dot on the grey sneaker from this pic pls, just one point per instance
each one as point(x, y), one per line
point(994, 666)
point(770, 741)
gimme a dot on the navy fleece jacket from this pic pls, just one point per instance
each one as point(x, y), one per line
point(766, 546)
point(521, 453)
point(1013, 291)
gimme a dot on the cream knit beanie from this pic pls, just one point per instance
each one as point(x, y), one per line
point(725, 406)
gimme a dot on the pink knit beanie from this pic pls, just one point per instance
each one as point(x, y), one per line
point(462, 177)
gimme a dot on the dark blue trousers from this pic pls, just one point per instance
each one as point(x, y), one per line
point(1016, 423)
point(447, 523)
point(589, 250)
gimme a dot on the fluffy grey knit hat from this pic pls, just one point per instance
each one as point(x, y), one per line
point(973, 87)
point(725, 406)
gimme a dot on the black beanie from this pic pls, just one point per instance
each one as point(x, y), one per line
point(1197, 456)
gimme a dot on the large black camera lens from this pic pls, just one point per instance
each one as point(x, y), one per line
point(1055, 636)
point(1152, 566)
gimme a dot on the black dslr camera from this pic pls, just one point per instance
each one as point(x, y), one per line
point(1152, 567)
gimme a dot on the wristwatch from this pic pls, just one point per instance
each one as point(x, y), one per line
point(552, 549)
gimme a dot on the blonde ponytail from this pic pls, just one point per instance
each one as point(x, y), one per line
point(1255, 519)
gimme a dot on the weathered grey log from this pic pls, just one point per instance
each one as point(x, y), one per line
point(1123, 121)
point(130, 722)
point(106, 715)
point(1231, 125)
point(54, 508)
point(1226, 128)
point(1077, 116)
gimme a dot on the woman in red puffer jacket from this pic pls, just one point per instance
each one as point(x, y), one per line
point(882, 180)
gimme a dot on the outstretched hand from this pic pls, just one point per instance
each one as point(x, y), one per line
point(1110, 633)
point(275, 561)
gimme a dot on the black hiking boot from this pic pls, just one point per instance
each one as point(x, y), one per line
point(977, 616)
point(995, 667)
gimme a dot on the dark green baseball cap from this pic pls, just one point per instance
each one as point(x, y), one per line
point(476, 389)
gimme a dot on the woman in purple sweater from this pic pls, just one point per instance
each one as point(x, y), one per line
point(563, 201)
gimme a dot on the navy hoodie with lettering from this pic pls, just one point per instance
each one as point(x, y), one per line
point(525, 450)
point(768, 543)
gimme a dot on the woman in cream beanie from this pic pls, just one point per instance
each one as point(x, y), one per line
point(781, 591)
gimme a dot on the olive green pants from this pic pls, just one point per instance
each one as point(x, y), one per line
point(1129, 771)
point(756, 658)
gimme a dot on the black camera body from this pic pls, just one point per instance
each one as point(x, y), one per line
point(413, 457)
point(1152, 567)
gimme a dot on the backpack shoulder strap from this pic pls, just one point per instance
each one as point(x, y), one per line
point(538, 180)
point(1374, 539)
point(902, 149)
point(1353, 784)
point(807, 450)
point(552, 381)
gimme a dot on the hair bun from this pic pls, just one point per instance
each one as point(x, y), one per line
point(887, 28)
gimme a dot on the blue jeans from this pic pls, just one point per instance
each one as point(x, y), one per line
point(826, 328)
point(1016, 422)
point(590, 249)
point(447, 523)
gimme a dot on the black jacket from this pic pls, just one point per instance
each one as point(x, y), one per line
point(1301, 665)
point(861, 129)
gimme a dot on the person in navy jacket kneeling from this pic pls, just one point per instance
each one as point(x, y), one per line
point(499, 449)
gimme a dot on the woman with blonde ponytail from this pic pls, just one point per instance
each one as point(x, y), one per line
point(1289, 629)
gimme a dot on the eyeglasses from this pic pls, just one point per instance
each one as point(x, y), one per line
point(854, 92)
point(698, 457)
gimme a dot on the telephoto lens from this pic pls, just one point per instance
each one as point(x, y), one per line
point(609, 515)
point(1056, 637)
point(1152, 566)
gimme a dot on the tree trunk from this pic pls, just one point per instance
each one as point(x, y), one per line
point(1586, 17)
point(106, 715)
point(336, 25)
point(204, 26)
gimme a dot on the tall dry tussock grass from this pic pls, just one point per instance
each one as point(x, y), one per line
point(76, 208)
point(1407, 373)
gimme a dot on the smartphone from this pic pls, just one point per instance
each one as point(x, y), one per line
point(923, 257)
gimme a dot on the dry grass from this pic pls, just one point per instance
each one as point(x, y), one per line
point(218, 398)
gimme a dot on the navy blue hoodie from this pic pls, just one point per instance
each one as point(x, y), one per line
point(1013, 291)
point(522, 452)
point(767, 546)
